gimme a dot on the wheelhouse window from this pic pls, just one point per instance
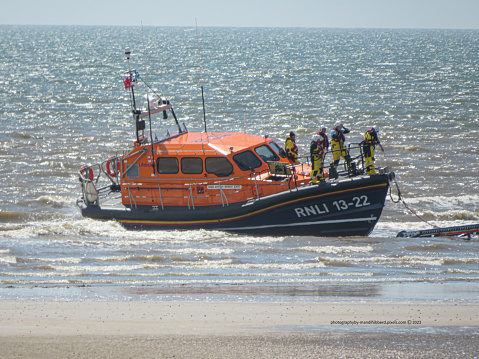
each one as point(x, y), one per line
point(219, 166)
point(167, 165)
point(266, 153)
point(132, 171)
point(277, 149)
point(191, 165)
point(247, 161)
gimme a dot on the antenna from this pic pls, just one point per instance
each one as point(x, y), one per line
point(130, 81)
point(244, 121)
point(128, 54)
point(201, 76)
point(151, 134)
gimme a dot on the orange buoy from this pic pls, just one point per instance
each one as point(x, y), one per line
point(112, 166)
point(87, 172)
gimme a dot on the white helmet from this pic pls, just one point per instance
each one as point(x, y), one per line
point(321, 128)
point(337, 124)
point(376, 128)
point(315, 138)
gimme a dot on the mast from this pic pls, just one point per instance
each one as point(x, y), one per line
point(201, 78)
point(130, 80)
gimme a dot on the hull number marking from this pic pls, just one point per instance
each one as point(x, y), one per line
point(341, 205)
point(357, 202)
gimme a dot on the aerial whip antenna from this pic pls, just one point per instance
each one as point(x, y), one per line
point(128, 82)
point(151, 135)
point(244, 121)
point(201, 76)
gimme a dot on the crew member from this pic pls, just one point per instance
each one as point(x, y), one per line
point(290, 148)
point(317, 154)
point(325, 141)
point(369, 143)
point(337, 144)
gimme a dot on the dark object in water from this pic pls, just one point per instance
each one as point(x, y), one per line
point(439, 232)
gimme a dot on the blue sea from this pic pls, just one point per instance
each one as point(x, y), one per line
point(63, 105)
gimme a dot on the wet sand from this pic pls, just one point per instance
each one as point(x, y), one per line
point(200, 329)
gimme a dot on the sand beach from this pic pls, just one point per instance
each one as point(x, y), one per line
point(209, 329)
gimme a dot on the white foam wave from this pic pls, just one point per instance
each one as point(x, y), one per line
point(41, 275)
point(84, 231)
point(53, 201)
point(8, 259)
point(200, 251)
point(337, 249)
point(401, 260)
point(67, 260)
point(445, 202)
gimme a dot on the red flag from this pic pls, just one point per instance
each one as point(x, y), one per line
point(128, 83)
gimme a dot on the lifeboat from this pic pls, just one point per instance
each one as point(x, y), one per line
point(227, 181)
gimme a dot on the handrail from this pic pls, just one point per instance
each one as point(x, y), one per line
point(131, 197)
point(161, 197)
point(222, 193)
point(256, 185)
point(191, 197)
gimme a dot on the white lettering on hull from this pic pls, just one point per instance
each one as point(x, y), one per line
point(341, 205)
point(314, 210)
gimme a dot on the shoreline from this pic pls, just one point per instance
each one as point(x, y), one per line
point(465, 290)
point(202, 329)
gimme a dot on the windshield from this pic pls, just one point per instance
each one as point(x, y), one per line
point(278, 149)
point(266, 153)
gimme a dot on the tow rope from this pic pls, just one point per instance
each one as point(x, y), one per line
point(400, 199)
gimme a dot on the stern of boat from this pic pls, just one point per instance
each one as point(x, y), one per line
point(99, 184)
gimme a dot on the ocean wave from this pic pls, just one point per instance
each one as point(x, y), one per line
point(13, 216)
point(52, 201)
point(8, 259)
point(409, 260)
point(65, 260)
point(335, 262)
point(201, 251)
point(337, 249)
point(26, 136)
point(25, 218)
point(428, 247)
point(445, 201)
point(457, 215)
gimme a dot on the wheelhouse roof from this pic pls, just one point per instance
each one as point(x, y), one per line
point(222, 142)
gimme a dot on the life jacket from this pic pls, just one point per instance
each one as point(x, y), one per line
point(323, 142)
point(371, 137)
point(290, 147)
point(337, 135)
point(315, 149)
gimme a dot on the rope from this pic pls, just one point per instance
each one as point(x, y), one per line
point(400, 199)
